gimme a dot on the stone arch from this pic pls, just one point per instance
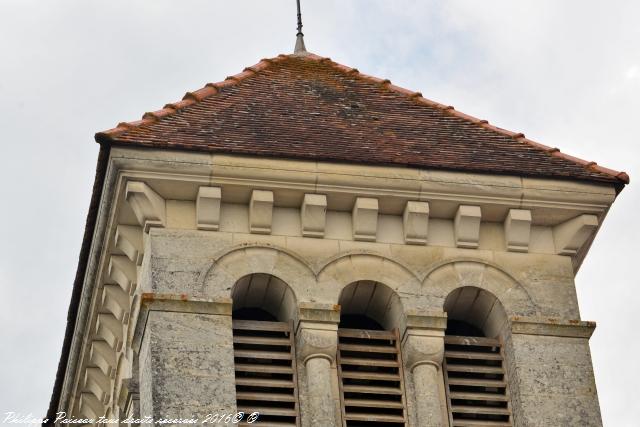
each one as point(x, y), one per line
point(373, 300)
point(228, 268)
point(340, 272)
point(266, 292)
point(444, 278)
point(478, 308)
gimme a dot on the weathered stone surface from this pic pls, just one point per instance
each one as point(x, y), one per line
point(186, 365)
point(423, 352)
point(316, 347)
point(552, 380)
point(369, 225)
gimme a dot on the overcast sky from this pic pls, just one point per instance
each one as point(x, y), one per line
point(565, 73)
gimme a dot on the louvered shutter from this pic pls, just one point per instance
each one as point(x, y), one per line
point(265, 371)
point(371, 378)
point(476, 382)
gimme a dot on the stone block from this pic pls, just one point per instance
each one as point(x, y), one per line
point(98, 384)
point(148, 206)
point(517, 230)
point(365, 219)
point(208, 208)
point(128, 239)
point(103, 357)
point(116, 302)
point(124, 273)
point(572, 234)
point(90, 407)
point(181, 214)
point(467, 226)
point(313, 215)
point(260, 211)
point(415, 221)
point(109, 330)
point(186, 365)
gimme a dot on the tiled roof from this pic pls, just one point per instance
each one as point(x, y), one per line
point(309, 107)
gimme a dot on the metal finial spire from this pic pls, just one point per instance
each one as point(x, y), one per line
point(300, 48)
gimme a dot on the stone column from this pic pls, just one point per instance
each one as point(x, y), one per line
point(185, 357)
point(316, 348)
point(423, 352)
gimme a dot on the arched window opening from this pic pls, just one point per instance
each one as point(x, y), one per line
point(369, 359)
point(264, 350)
point(462, 328)
point(359, 321)
point(252, 313)
point(474, 368)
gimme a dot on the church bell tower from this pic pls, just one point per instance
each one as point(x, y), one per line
point(319, 247)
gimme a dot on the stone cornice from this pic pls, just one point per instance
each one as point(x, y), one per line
point(180, 303)
point(362, 180)
point(552, 327)
point(554, 204)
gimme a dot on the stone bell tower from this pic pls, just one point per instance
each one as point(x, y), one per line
point(324, 248)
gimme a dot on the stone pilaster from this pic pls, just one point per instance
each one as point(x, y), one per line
point(551, 379)
point(185, 357)
point(316, 348)
point(422, 353)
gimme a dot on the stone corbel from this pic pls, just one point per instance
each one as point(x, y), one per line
point(313, 215)
point(260, 211)
point(415, 220)
point(148, 206)
point(90, 407)
point(517, 230)
point(128, 399)
point(116, 302)
point(124, 273)
point(572, 234)
point(208, 208)
point(109, 330)
point(129, 240)
point(467, 226)
point(104, 357)
point(365, 219)
point(98, 384)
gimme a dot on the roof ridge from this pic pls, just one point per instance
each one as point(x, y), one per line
point(210, 89)
point(449, 109)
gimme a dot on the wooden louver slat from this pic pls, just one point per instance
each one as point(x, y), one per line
point(476, 382)
point(371, 378)
point(265, 370)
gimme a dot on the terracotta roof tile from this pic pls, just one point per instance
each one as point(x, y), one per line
point(310, 107)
